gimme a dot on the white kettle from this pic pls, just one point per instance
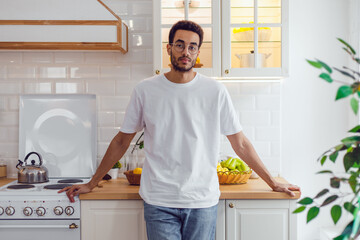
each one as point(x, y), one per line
point(248, 60)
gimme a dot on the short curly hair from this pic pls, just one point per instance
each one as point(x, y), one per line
point(186, 25)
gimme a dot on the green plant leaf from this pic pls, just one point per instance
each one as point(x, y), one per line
point(326, 77)
point(347, 45)
point(355, 129)
point(335, 213)
point(340, 147)
point(323, 159)
point(299, 209)
point(314, 64)
point(305, 201)
point(345, 73)
point(351, 140)
point(349, 207)
point(329, 200)
point(335, 182)
point(343, 92)
point(324, 65)
point(312, 213)
point(354, 105)
point(357, 60)
point(324, 171)
point(333, 156)
point(351, 157)
point(322, 193)
point(353, 182)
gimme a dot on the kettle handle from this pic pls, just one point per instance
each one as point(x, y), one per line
point(31, 153)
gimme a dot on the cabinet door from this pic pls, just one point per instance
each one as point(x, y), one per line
point(220, 222)
point(254, 38)
point(260, 219)
point(112, 219)
point(204, 12)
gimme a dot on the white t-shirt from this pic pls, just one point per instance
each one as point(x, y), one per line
point(182, 125)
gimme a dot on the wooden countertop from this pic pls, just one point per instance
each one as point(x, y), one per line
point(121, 189)
point(253, 189)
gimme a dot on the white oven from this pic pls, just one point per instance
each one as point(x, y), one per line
point(62, 129)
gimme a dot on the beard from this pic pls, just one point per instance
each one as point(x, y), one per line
point(176, 66)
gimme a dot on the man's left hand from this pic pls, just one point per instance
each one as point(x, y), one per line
point(287, 188)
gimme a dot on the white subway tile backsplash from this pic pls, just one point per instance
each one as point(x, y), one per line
point(106, 119)
point(267, 133)
point(9, 150)
point(275, 148)
point(141, 71)
point(120, 8)
point(136, 24)
point(262, 148)
point(243, 103)
point(2, 72)
point(125, 88)
point(254, 88)
point(275, 118)
point(38, 57)
point(10, 57)
point(3, 103)
point(21, 72)
point(149, 56)
point(270, 102)
point(7, 88)
point(143, 40)
point(142, 8)
point(273, 164)
point(52, 72)
point(275, 88)
point(115, 72)
point(103, 87)
point(9, 119)
point(9, 134)
point(254, 118)
point(69, 87)
point(85, 72)
point(69, 57)
point(249, 132)
point(100, 57)
point(134, 55)
point(13, 103)
point(37, 87)
point(106, 134)
point(102, 147)
point(119, 118)
point(233, 88)
point(117, 103)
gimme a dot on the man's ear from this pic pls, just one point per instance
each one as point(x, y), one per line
point(168, 48)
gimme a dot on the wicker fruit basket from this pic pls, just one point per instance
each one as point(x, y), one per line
point(133, 179)
point(231, 177)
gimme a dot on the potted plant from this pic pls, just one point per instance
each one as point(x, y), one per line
point(349, 149)
point(114, 171)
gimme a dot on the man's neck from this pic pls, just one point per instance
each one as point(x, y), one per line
point(180, 77)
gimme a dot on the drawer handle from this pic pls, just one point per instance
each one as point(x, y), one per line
point(231, 205)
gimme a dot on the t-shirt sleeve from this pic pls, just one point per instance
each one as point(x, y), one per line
point(133, 120)
point(229, 120)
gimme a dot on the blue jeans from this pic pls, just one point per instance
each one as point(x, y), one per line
point(163, 223)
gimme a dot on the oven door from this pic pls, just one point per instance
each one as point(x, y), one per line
point(40, 229)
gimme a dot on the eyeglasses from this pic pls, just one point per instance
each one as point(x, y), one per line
point(180, 46)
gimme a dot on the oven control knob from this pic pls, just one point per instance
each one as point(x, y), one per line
point(28, 211)
point(10, 211)
point(1, 211)
point(58, 210)
point(69, 210)
point(40, 211)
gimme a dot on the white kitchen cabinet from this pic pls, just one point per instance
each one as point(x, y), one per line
point(260, 219)
point(243, 38)
point(112, 219)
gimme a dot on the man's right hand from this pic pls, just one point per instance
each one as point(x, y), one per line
point(75, 190)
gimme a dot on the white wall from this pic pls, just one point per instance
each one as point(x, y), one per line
point(312, 121)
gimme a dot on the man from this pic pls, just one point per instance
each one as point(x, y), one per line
point(183, 114)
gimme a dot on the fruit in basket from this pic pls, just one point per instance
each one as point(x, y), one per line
point(219, 168)
point(235, 163)
point(137, 171)
point(197, 60)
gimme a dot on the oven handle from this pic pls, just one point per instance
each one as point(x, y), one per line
point(71, 226)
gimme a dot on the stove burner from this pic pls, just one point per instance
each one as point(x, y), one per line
point(70, 181)
point(21, 186)
point(57, 186)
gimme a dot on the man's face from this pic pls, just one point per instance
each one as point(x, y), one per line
point(184, 60)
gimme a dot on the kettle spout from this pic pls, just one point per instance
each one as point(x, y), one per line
point(20, 163)
point(267, 55)
point(238, 56)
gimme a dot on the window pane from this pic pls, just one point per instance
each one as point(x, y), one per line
point(270, 46)
point(242, 11)
point(172, 11)
point(242, 43)
point(200, 11)
point(269, 11)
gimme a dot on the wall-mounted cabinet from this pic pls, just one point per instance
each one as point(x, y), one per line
point(243, 38)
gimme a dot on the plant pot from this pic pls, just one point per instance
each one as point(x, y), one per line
point(114, 173)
